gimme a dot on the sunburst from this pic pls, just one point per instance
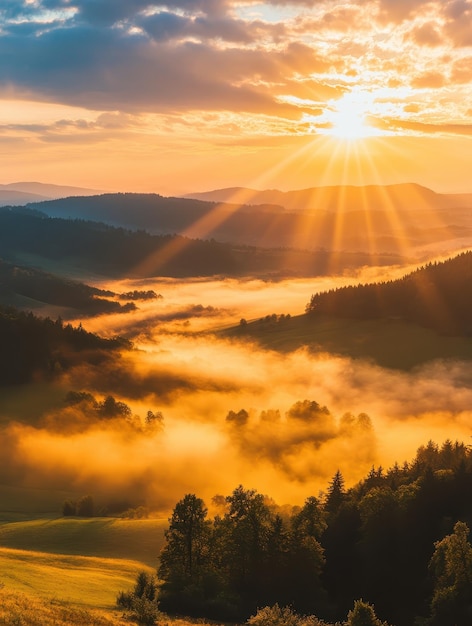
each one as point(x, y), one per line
point(347, 118)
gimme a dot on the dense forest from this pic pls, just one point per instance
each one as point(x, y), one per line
point(437, 296)
point(98, 247)
point(34, 347)
point(397, 539)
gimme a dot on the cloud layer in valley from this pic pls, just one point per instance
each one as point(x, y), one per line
point(233, 413)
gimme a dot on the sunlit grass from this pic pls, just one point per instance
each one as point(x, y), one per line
point(86, 581)
point(139, 540)
point(20, 609)
point(27, 609)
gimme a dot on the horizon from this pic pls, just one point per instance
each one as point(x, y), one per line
point(210, 189)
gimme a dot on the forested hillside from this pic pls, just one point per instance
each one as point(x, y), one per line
point(398, 539)
point(101, 248)
point(438, 296)
point(401, 220)
point(42, 287)
point(35, 348)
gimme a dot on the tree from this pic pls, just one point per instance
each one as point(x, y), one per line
point(250, 520)
point(113, 408)
point(69, 507)
point(336, 494)
point(451, 565)
point(85, 507)
point(310, 520)
point(187, 540)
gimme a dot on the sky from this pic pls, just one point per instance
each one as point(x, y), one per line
point(191, 95)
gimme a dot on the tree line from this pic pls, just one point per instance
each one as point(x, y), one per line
point(399, 539)
point(437, 296)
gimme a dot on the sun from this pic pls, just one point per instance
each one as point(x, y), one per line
point(347, 118)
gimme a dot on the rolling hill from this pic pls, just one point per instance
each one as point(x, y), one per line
point(400, 197)
point(399, 324)
point(33, 289)
point(29, 237)
point(401, 219)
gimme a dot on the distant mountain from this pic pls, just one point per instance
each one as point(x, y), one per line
point(17, 194)
point(11, 197)
point(402, 197)
point(377, 227)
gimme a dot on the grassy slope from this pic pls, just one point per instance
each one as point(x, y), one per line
point(388, 342)
point(139, 540)
point(20, 609)
point(25, 609)
point(85, 581)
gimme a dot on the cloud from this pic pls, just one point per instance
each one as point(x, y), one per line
point(427, 34)
point(429, 80)
point(422, 127)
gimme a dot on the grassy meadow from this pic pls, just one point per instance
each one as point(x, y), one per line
point(86, 581)
point(20, 609)
point(107, 538)
point(390, 343)
point(24, 609)
point(68, 571)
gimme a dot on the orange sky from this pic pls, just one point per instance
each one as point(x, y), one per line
point(190, 95)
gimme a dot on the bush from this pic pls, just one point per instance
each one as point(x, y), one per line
point(142, 601)
point(283, 616)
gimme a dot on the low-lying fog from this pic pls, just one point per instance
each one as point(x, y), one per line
point(230, 408)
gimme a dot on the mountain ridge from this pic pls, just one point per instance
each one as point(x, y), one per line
point(336, 197)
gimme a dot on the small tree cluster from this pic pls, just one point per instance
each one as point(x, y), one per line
point(84, 507)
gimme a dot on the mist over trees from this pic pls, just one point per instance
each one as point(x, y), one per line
point(399, 539)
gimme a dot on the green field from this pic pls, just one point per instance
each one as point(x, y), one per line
point(388, 342)
point(136, 540)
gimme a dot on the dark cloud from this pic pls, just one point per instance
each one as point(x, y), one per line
point(108, 69)
point(165, 25)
